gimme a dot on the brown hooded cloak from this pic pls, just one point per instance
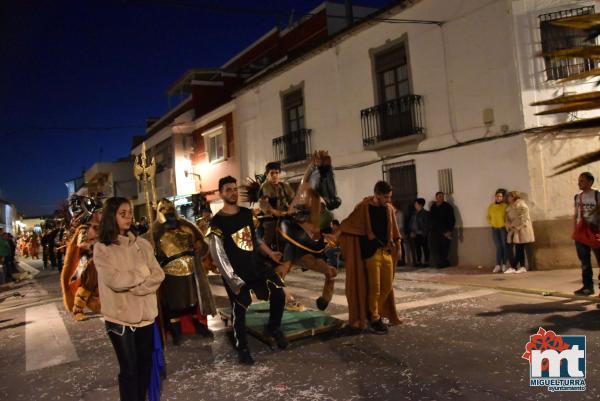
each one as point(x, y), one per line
point(358, 224)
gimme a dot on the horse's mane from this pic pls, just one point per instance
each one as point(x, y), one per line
point(306, 196)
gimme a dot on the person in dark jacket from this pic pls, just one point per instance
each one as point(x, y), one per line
point(9, 260)
point(442, 225)
point(409, 241)
point(419, 232)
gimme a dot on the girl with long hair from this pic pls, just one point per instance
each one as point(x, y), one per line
point(128, 278)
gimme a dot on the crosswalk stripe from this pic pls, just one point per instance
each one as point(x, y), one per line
point(295, 288)
point(404, 306)
point(400, 284)
point(303, 292)
point(47, 342)
point(444, 298)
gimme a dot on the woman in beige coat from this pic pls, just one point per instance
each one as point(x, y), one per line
point(520, 230)
point(128, 278)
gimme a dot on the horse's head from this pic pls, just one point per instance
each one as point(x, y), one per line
point(323, 181)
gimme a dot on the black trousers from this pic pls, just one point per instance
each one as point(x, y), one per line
point(519, 258)
point(584, 253)
point(276, 299)
point(421, 248)
point(442, 248)
point(134, 352)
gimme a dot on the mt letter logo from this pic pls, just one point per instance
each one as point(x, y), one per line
point(556, 362)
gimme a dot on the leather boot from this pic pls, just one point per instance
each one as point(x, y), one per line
point(175, 330)
point(202, 329)
point(81, 299)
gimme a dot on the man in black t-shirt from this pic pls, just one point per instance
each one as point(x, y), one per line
point(234, 248)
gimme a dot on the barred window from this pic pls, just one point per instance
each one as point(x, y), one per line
point(445, 181)
point(558, 38)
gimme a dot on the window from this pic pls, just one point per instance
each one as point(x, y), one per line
point(391, 67)
point(293, 109)
point(163, 155)
point(397, 113)
point(558, 38)
point(216, 143)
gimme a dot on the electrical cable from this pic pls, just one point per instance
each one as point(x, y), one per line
point(434, 150)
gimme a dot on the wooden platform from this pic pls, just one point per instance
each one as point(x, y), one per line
point(295, 325)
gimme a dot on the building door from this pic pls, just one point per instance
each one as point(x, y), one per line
point(403, 178)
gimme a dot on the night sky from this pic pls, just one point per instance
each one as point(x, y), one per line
point(79, 78)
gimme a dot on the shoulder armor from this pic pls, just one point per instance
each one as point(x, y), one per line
point(214, 230)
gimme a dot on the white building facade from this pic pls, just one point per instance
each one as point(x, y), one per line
point(172, 153)
point(112, 179)
point(431, 107)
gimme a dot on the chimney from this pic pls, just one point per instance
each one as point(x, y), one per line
point(349, 13)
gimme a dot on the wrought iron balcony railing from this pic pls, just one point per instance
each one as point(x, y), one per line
point(292, 147)
point(396, 118)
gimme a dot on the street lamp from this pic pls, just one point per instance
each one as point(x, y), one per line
point(186, 173)
point(197, 184)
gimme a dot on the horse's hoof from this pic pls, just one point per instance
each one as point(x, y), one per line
point(321, 303)
point(295, 306)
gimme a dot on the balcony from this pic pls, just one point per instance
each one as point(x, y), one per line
point(292, 147)
point(394, 119)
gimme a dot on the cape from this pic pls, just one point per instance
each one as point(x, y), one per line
point(358, 224)
point(205, 297)
point(72, 256)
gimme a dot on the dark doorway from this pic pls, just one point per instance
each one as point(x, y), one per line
point(403, 178)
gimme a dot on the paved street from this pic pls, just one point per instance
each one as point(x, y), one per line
point(456, 343)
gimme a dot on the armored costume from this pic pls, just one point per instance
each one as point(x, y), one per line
point(279, 195)
point(275, 200)
point(235, 249)
point(179, 247)
point(79, 279)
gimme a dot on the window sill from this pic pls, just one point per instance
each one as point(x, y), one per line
point(214, 162)
point(297, 165)
point(390, 143)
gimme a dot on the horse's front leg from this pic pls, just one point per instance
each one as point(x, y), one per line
point(319, 265)
point(282, 270)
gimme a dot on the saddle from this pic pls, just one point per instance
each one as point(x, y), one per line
point(295, 234)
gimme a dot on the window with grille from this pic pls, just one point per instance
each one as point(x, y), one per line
point(558, 38)
point(445, 182)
